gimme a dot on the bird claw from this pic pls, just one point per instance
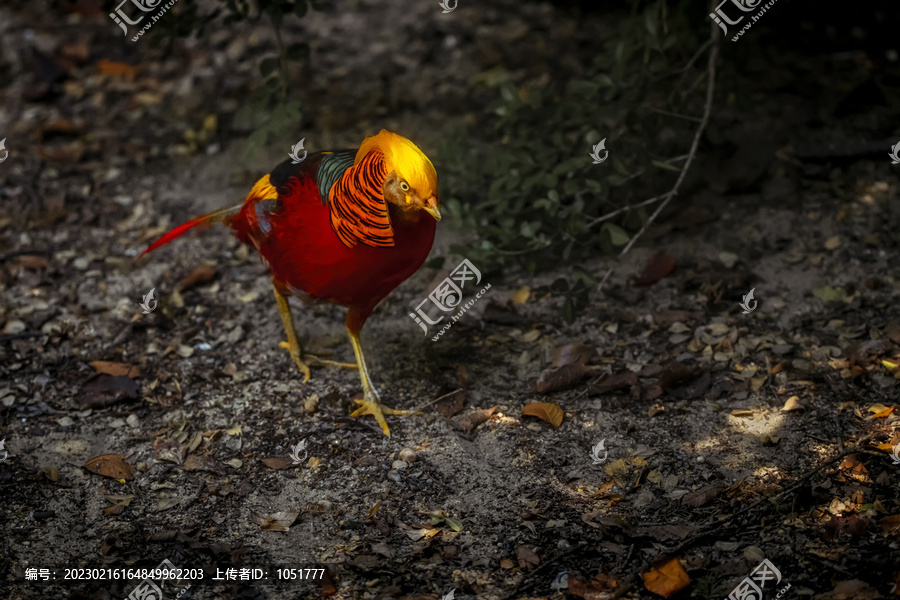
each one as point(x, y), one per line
point(371, 406)
point(295, 356)
point(316, 360)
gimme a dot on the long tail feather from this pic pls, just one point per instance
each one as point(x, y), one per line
point(220, 216)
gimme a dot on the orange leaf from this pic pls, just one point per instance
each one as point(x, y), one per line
point(109, 67)
point(547, 411)
point(115, 368)
point(110, 465)
point(883, 414)
point(667, 578)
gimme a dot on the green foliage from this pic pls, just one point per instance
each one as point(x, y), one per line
point(530, 192)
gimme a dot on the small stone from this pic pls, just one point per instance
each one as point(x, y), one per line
point(82, 263)
point(394, 475)
point(185, 351)
point(399, 465)
point(117, 423)
point(13, 327)
point(754, 554)
point(408, 455)
point(65, 422)
point(133, 420)
point(728, 259)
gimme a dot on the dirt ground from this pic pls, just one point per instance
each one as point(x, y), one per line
point(696, 440)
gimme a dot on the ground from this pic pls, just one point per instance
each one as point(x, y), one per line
point(696, 440)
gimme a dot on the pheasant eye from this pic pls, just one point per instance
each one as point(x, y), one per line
point(404, 186)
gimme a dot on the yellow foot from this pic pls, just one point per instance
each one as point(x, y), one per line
point(317, 360)
point(295, 355)
point(373, 407)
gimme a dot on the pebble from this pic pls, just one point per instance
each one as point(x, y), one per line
point(116, 423)
point(394, 475)
point(133, 420)
point(82, 263)
point(13, 327)
point(400, 465)
point(65, 422)
point(408, 455)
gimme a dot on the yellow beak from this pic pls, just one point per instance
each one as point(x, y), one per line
point(432, 208)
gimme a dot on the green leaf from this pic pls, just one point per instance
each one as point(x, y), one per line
point(665, 165)
point(617, 235)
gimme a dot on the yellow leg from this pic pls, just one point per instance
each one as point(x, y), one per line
point(293, 344)
point(370, 403)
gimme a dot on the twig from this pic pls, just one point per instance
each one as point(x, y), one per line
point(615, 213)
point(671, 114)
point(282, 58)
point(438, 399)
point(707, 109)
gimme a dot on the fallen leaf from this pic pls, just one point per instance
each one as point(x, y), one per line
point(116, 369)
point(659, 265)
point(117, 69)
point(521, 295)
point(528, 559)
point(792, 403)
point(200, 462)
point(666, 578)
point(862, 353)
point(563, 378)
point(168, 449)
point(619, 381)
point(105, 390)
point(110, 465)
point(475, 418)
point(51, 473)
point(703, 495)
point(547, 411)
point(572, 353)
point(890, 524)
point(883, 412)
point(278, 463)
point(200, 274)
point(278, 521)
point(452, 404)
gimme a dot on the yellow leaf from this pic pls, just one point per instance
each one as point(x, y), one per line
point(547, 411)
point(521, 295)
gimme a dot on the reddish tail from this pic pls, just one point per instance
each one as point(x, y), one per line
point(220, 216)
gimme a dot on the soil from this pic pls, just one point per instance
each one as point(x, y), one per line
point(691, 429)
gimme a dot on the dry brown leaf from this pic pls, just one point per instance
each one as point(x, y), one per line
point(572, 353)
point(168, 449)
point(528, 559)
point(278, 463)
point(116, 368)
point(659, 265)
point(104, 390)
point(110, 465)
point(278, 521)
point(112, 68)
point(547, 411)
point(200, 274)
point(703, 495)
point(452, 404)
point(792, 403)
point(619, 381)
point(666, 578)
point(890, 524)
point(563, 378)
point(475, 418)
